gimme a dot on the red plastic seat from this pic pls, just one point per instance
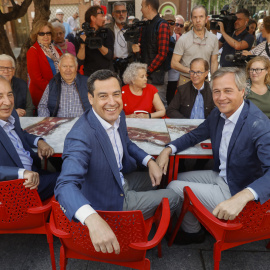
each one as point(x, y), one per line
point(252, 224)
point(129, 227)
point(21, 211)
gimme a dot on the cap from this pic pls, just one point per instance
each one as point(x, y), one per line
point(168, 17)
point(59, 11)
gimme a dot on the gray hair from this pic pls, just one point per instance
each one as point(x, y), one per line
point(5, 57)
point(200, 6)
point(68, 55)
point(179, 17)
point(59, 25)
point(239, 76)
point(132, 71)
point(119, 4)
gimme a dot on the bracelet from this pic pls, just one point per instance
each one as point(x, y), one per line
point(149, 115)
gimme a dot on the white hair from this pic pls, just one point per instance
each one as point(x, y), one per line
point(179, 17)
point(5, 57)
point(68, 55)
point(131, 72)
point(59, 25)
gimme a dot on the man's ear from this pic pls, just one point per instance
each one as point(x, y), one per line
point(90, 98)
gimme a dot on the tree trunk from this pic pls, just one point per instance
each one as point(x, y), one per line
point(5, 47)
point(42, 12)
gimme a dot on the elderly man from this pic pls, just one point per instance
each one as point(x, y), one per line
point(122, 49)
point(99, 166)
point(196, 43)
point(59, 14)
point(194, 99)
point(22, 98)
point(17, 159)
point(240, 136)
point(179, 25)
point(73, 23)
point(66, 93)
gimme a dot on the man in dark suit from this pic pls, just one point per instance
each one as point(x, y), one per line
point(240, 136)
point(99, 163)
point(17, 159)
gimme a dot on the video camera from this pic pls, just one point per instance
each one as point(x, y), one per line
point(132, 32)
point(238, 59)
point(93, 37)
point(228, 20)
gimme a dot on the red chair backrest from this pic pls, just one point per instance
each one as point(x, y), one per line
point(255, 218)
point(15, 200)
point(128, 226)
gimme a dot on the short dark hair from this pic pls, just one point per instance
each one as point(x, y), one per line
point(266, 23)
point(243, 11)
point(153, 3)
point(205, 63)
point(101, 75)
point(92, 11)
point(200, 6)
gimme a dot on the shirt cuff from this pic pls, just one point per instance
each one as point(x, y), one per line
point(83, 212)
point(20, 173)
point(146, 159)
point(174, 149)
point(254, 193)
point(36, 141)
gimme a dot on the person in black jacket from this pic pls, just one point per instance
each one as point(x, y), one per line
point(194, 99)
point(101, 58)
point(66, 93)
point(22, 98)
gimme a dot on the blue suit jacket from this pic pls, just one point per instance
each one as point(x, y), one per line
point(9, 158)
point(90, 173)
point(248, 159)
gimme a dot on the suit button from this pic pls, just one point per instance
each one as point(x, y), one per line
point(121, 194)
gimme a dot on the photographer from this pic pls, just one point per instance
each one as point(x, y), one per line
point(122, 48)
point(263, 48)
point(240, 39)
point(154, 47)
point(100, 58)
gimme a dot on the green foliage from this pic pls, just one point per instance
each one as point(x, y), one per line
point(215, 5)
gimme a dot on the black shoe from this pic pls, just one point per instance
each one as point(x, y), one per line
point(184, 238)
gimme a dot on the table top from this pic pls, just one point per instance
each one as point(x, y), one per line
point(149, 134)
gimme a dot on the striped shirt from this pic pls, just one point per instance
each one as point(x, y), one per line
point(260, 50)
point(70, 104)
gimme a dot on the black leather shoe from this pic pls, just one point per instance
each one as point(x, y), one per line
point(184, 238)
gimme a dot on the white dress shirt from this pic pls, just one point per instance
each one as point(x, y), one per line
point(120, 44)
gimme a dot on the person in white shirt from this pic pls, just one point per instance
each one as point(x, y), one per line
point(73, 23)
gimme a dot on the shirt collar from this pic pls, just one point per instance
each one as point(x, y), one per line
point(196, 36)
point(234, 117)
point(200, 88)
point(105, 124)
point(10, 120)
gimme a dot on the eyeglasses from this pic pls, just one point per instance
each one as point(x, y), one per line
point(9, 69)
point(179, 25)
point(171, 23)
point(120, 11)
point(257, 70)
point(42, 34)
point(101, 12)
point(197, 73)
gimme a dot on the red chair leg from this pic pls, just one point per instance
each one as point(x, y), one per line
point(147, 264)
point(63, 260)
point(268, 245)
point(50, 242)
point(217, 255)
point(159, 250)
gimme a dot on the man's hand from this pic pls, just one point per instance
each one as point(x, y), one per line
point(245, 53)
point(136, 47)
point(32, 179)
point(231, 208)
point(221, 27)
point(44, 150)
point(163, 159)
point(21, 112)
point(102, 236)
point(155, 173)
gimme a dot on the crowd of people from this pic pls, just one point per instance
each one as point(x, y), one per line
point(171, 69)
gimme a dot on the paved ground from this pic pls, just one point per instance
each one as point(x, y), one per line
point(24, 252)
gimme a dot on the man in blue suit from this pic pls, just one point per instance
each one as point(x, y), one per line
point(240, 136)
point(99, 163)
point(17, 159)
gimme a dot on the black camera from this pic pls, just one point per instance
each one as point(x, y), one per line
point(94, 37)
point(238, 59)
point(228, 20)
point(132, 32)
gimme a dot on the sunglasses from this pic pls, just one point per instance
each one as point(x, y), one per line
point(42, 34)
point(120, 11)
point(179, 25)
point(171, 23)
point(101, 12)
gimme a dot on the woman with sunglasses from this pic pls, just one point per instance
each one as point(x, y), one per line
point(258, 88)
point(42, 59)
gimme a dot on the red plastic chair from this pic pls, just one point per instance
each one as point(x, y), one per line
point(129, 227)
point(252, 224)
point(21, 211)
